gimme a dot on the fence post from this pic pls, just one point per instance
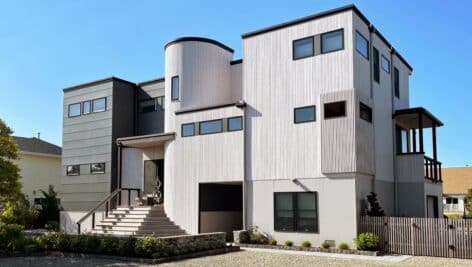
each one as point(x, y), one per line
point(412, 235)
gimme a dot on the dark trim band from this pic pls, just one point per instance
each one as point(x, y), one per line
point(96, 82)
point(237, 61)
point(156, 80)
point(199, 39)
point(183, 111)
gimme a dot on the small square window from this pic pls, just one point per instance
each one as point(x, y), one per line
point(99, 105)
point(335, 109)
point(96, 168)
point(332, 41)
point(86, 107)
point(305, 114)
point(175, 88)
point(188, 129)
point(73, 170)
point(385, 64)
point(209, 127)
point(362, 45)
point(365, 112)
point(74, 110)
point(303, 48)
point(235, 124)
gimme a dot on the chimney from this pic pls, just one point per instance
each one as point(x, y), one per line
point(39, 135)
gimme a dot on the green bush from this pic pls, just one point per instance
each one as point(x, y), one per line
point(52, 226)
point(367, 241)
point(148, 246)
point(12, 237)
point(50, 208)
point(343, 246)
point(244, 237)
point(272, 242)
point(109, 244)
point(63, 242)
point(19, 212)
point(288, 243)
point(325, 245)
point(258, 238)
point(306, 244)
point(126, 246)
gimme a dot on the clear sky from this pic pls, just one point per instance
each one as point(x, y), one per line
point(48, 45)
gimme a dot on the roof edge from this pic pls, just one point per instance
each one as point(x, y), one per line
point(199, 39)
point(156, 80)
point(96, 82)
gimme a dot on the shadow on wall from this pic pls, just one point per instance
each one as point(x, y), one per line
point(250, 113)
point(68, 221)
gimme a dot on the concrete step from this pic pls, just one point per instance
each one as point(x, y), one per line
point(138, 232)
point(138, 226)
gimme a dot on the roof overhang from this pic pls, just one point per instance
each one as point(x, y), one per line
point(143, 141)
point(410, 118)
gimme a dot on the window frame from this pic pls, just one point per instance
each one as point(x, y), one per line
point(98, 172)
point(68, 109)
point(368, 45)
point(200, 127)
point(334, 117)
point(321, 41)
point(104, 107)
point(83, 107)
point(235, 117)
point(312, 47)
point(173, 98)
point(295, 210)
point(396, 82)
point(369, 119)
point(382, 58)
point(182, 129)
point(304, 107)
point(67, 170)
point(376, 64)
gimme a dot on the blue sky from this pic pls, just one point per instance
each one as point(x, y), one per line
point(48, 45)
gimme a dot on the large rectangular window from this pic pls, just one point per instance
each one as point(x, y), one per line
point(385, 64)
point(335, 109)
point(332, 41)
point(74, 110)
point(305, 114)
point(73, 170)
point(365, 112)
point(99, 105)
point(96, 168)
point(296, 212)
point(209, 127)
point(175, 91)
point(188, 129)
point(376, 62)
point(303, 48)
point(235, 124)
point(396, 82)
point(362, 45)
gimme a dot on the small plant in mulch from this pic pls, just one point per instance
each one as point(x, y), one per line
point(343, 246)
point(272, 242)
point(288, 243)
point(325, 245)
point(367, 241)
point(306, 244)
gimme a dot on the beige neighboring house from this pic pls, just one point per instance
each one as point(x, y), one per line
point(40, 166)
point(456, 182)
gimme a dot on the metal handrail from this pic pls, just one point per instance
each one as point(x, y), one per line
point(107, 207)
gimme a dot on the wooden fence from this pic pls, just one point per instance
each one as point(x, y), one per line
point(421, 236)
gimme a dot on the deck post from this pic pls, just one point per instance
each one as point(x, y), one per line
point(435, 155)
point(420, 126)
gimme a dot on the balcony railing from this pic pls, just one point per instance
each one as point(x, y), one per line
point(432, 169)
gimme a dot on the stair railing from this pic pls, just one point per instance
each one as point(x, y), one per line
point(107, 202)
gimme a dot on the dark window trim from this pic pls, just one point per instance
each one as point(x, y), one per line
point(369, 108)
point(182, 129)
point(376, 64)
point(200, 127)
point(93, 110)
point(336, 117)
point(96, 172)
point(68, 110)
point(295, 212)
point(172, 98)
point(396, 82)
point(368, 45)
point(381, 65)
point(321, 41)
point(294, 114)
point(82, 107)
point(235, 117)
point(67, 172)
point(312, 46)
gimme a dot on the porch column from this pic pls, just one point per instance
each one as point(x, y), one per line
point(420, 126)
point(435, 155)
point(413, 131)
point(408, 140)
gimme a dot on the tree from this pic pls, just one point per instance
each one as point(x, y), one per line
point(50, 207)
point(468, 201)
point(19, 212)
point(374, 208)
point(10, 186)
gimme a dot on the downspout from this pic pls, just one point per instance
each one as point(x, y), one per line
point(394, 141)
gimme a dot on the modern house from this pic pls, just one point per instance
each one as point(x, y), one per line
point(40, 166)
point(456, 182)
point(290, 138)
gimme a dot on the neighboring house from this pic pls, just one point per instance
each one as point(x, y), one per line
point(40, 166)
point(290, 138)
point(456, 182)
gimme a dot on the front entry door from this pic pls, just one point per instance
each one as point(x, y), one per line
point(153, 170)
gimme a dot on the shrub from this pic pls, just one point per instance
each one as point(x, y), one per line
point(306, 244)
point(343, 246)
point(258, 238)
point(12, 237)
point(244, 237)
point(367, 241)
point(52, 226)
point(288, 243)
point(149, 246)
point(63, 242)
point(272, 242)
point(109, 244)
point(50, 208)
point(325, 245)
point(18, 212)
point(126, 246)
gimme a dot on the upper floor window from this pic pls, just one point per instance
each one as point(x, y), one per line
point(151, 105)
point(99, 104)
point(362, 45)
point(396, 82)
point(296, 212)
point(385, 64)
point(73, 170)
point(303, 48)
point(86, 107)
point(209, 127)
point(376, 62)
point(305, 114)
point(365, 112)
point(188, 129)
point(332, 41)
point(96, 168)
point(175, 88)
point(74, 110)
point(335, 109)
point(235, 123)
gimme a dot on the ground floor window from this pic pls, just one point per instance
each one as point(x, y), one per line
point(296, 211)
point(452, 200)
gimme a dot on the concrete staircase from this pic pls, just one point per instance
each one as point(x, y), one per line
point(138, 220)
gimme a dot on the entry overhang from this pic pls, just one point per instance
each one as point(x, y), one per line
point(143, 141)
point(414, 118)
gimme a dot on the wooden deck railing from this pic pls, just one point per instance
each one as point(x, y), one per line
point(432, 169)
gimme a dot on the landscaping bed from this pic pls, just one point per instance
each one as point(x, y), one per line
point(313, 249)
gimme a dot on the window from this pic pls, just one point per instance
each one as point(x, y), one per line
point(365, 112)
point(96, 168)
point(160, 102)
point(362, 45)
point(175, 88)
point(376, 63)
point(235, 123)
point(385, 64)
point(99, 105)
point(73, 170)
point(209, 127)
point(396, 82)
point(74, 110)
point(303, 48)
point(335, 109)
point(452, 200)
point(86, 107)
point(305, 114)
point(296, 212)
point(146, 106)
point(188, 129)
point(332, 41)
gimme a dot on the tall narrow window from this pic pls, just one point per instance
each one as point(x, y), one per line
point(74, 110)
point(385, 64)
point(396, 82)
point(376, 62)
point(188, 129)
point(86, 107)
point(296, 212)
point(305, 114)
point(303, 48)
point(175, 92)
point(362, 45)
point(99, 105)
point(335, 109)
point(365, 112)
point(332, 41)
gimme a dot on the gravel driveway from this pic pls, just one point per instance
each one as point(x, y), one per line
point(242, 258)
